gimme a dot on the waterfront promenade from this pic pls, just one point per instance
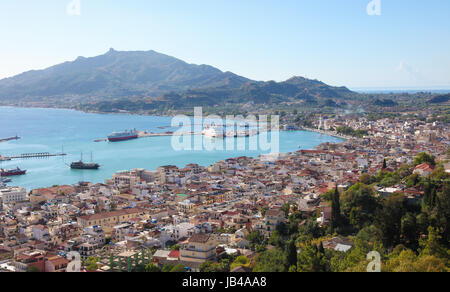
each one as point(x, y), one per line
point(328, 133)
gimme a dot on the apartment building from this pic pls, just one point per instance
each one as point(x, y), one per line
point(198, 248)
point(13, 194)
point(109, 219)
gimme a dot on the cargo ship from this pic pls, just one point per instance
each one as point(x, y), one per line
point(123, 136)
point(12, 172)
point(82, 165)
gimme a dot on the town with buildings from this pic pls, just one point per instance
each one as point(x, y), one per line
point(216, 218)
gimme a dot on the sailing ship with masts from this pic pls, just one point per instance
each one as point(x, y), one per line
point(82, 165)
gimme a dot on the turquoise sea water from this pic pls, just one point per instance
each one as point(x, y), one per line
point(48, 130)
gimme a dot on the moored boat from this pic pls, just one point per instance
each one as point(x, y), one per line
point(82, 165)
point(5, 180)
point(12, 172)
point(214, 132)
point(123, 136)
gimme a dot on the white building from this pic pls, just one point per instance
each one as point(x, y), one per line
point(121, 230)
point(176, 232)
point(93, 239)
point(41, 233)
point(125, 180)
point(13, 194)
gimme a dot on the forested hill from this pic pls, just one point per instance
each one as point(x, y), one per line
point(148, 77)
point(116, 74)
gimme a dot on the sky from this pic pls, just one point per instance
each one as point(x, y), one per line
point(404, 44)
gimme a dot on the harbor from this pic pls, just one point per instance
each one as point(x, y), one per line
point(76, 132)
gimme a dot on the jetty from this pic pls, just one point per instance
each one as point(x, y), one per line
point(165, 134)
point(34, 155)
point(9, 139)
point(143, 134)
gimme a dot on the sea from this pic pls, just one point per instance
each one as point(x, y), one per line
point(73, 132)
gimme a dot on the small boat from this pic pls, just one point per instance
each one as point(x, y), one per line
point(12, 172)
point(5, 180)
point(3, 158)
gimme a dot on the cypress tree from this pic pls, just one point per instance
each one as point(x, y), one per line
point(291, 253)
point(433, 197)
point(321, 248)
point(429, 196)
point(335, 210)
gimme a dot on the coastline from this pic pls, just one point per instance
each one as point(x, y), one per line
point(329, 133)
point(231, 157)
point(81, 111)
point(59, 174)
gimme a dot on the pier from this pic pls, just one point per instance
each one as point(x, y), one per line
point(34, 155)
point(235, 134)
point(142, 134)
point(9, 139)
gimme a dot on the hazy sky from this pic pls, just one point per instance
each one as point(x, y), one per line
point(335, 41)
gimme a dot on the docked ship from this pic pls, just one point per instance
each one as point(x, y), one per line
point(12, 172)
point(214, 131)
point(82, 165)
point(122, 136)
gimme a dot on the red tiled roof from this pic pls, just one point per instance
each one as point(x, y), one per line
point(174, 254)
point(425, 167)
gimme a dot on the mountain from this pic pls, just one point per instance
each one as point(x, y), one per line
point(142, 80)
point(309, 93)
point(116, 74)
